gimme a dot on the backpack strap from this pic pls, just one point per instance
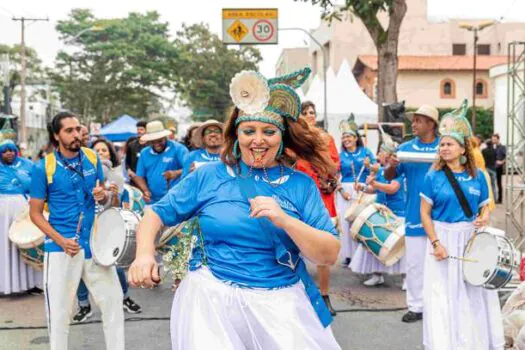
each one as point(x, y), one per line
point(50, 162)
point(90, 155)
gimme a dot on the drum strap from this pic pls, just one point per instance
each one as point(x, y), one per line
point(290, 259)
point(459, 193)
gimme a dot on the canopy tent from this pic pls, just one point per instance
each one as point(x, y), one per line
point(121, 129)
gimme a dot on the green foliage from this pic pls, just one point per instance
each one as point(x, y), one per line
point(119, 69)
point(205, 69)
point(35, 71)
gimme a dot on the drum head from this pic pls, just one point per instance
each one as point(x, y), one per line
point(484, 249)
point(23, 233)
point(109, 237)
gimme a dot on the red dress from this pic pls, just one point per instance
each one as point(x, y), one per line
point(307, 168)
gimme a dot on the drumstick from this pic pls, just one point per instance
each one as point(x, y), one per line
point(79, 225)
point(462, 258)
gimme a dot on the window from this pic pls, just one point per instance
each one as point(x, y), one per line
point(459, 49)
point(484, 49)
point(481, 89)
point(448, 88)
point(326, 47)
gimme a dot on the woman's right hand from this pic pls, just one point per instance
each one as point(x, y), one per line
point(346, 195)
point(144, 272)
point(440, 253)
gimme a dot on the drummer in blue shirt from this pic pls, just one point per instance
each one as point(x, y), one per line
point(248, 287)
point(160, 164)
point(458, 315)
point(424, 126)
point(208, 137)
point(15, 275)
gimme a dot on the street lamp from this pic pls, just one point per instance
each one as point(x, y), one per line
point(475, 29)
point(325, 68)
point(95, 28)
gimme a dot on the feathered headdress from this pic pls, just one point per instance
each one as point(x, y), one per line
point(269, 101)
point(456, 125)
point(348, 126)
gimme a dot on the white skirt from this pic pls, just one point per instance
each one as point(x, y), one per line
point(365, 262)
point(210, 314)
point(15, 275)
point(457, 314)
point(348, 244)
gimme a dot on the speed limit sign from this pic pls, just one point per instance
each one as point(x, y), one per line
point(249, 26)
point(263, 30)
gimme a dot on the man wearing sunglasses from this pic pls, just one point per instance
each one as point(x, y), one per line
point(160, 164)
point(209, 140)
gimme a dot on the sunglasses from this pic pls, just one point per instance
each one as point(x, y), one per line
point(212, 131)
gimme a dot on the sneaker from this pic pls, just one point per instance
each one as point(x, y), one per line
point(326, 299)
point(411, 317)
point(35, 291)
point(130, 306)
point(404, 286)
point(375, 280)
point(346, 262)
point(83, 313)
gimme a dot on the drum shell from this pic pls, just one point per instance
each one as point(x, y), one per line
point(358, 205)
point(29, 239)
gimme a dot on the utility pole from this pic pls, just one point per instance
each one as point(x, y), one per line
point(22, 137)
point(4, 61)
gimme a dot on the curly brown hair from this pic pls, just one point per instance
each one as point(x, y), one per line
point(306, 142)
point(470, 165)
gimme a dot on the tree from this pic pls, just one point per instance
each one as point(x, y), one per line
point(385, 39)
point(122, 68)
point(35, 71)
point(205, 69)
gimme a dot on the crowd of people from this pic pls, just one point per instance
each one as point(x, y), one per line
point(270, 191)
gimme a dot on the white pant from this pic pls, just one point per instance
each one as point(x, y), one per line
point(62, 275)
point(415, 267)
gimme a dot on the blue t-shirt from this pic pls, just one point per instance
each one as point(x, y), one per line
point(238, 249)
point(397, 201)
point(152, 165)
point(357, 157)
point(199, 157)
point(15, 178)
point(414, 174)
point(438, 192)
point(67, 196)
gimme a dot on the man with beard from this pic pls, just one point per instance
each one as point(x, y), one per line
point(15, 275)
point(424, 126)
point(133, 148)
point(160, 164)
point(70, 181)
point(326, 185)
point(209, 140)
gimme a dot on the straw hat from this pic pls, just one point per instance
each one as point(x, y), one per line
point(155, 130)
point(426, 111)
point(197, 139)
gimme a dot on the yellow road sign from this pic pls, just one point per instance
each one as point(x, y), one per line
point(238, 30)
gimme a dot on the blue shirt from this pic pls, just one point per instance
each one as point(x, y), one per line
point(438, 192)
point(68, 196)
point(357, 158)
point(15, 177)
point(414, 174)
point(397, 201)
point(152, 165)
point(199, 157)
point(238, 249)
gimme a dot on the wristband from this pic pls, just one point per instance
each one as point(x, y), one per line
point(435, 243)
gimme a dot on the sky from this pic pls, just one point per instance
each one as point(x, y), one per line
point(42, 35)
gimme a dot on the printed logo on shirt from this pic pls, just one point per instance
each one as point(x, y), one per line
point(464, 179)
point(284, 203)
point(167, 159)
point(474, 191)
point(424, 149)
point(88, 172)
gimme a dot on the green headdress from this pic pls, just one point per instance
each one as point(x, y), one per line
point(456, 125)
point(269, 101)
point(348, 126)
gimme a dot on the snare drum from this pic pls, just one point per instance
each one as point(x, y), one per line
point(494, 259)
point(29, 239)
point(113, 240)
point(381, 232)
point(358, 205)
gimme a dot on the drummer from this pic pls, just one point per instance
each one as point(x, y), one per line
point(353, 170)
point(457, 315)
point(70, 180)
point(15, 275)
point(209, 140)
point(389, 193)
point(424, 126)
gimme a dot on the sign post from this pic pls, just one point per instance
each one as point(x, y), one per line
point(249, 26)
